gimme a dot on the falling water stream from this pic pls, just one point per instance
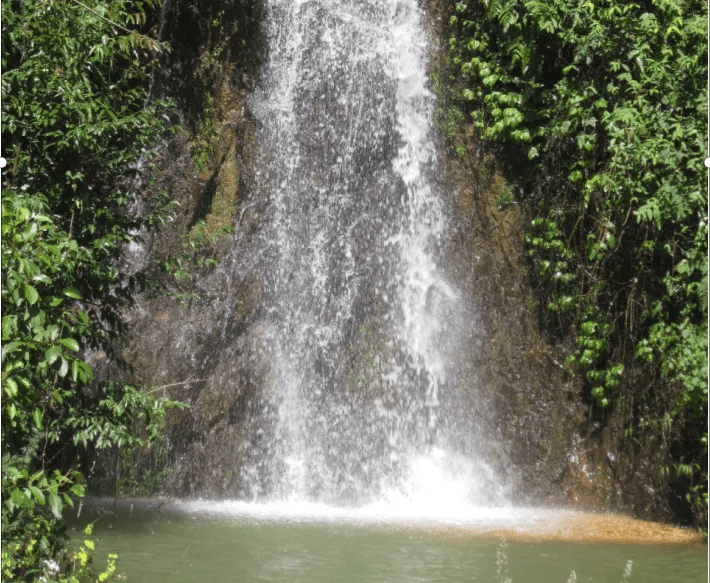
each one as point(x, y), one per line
point(359, 313)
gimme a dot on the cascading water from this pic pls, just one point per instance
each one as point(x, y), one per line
point(359, 318)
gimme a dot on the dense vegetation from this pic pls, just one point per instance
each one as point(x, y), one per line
point(77, 129)
point(604, 104)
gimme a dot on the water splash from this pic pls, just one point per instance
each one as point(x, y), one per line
point(358, 311)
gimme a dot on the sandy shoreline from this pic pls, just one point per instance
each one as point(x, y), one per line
point(569, 526)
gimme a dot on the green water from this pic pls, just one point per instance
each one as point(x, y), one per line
point(155, 546)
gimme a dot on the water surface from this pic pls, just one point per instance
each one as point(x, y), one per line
point(163, 544)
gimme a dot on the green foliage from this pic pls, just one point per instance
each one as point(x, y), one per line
point(141, 470)
point(49, 401)
point(607, 100)
point(207, 136)
point(450, 121)
point(211, 71)
point(76, 567)
point(75, 122)
point(197, 253)
point(77, 130)
point(505, 197)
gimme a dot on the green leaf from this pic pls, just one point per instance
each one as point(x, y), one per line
point(10, 348)
point(82, 316)
point(31, 294)
point(55, 301)
point(42, 278)
point(52, 331)
point(37, 418)
point(58, 397)
point(70, 343)
point(77, 490)
point(30, 231)
point(9, 326)
point(37, 493)
point(72, 292)
point(52, 353)
point(63, 368)
point(20, 498)
point(10, 387)
point(55, 504)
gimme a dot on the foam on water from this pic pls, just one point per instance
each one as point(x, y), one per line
point(439, 488)
point(397, 512)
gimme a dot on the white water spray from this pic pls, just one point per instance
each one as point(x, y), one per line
point(358, 309)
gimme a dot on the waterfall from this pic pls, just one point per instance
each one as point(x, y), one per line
point(358, 314)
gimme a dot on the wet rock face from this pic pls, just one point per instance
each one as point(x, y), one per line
point(199, 29)
point(554, 447)
point(212, 362)
point(198, 341)
point(549, 441)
